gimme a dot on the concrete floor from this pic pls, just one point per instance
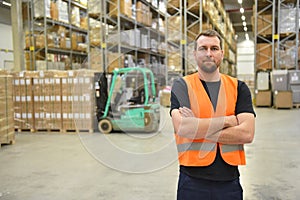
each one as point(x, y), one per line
point(142, 166)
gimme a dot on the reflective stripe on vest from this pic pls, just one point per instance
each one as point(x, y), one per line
point(202, 152)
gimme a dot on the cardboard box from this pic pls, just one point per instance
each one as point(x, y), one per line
point(54, 10)
point(173, 4)
point(37, 41)
point(113, 61)
point(165, 98)
point(42, 12)
point(264, 24)
point(174, 62)
point(263, 98)
point(7, 110)
point(94, 7)
point(283, 99)
point(194, 6)
point(263, 56)
point(125, 8)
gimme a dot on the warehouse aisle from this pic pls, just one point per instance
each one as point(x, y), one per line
point(95, 166)
point(273, 162)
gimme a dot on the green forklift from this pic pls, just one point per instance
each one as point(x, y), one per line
point(129, 104)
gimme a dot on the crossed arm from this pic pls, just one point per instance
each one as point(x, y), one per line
point(227, 130)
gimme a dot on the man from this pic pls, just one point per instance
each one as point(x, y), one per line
point(213, 117)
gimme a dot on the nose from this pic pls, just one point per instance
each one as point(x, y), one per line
point(208, 52)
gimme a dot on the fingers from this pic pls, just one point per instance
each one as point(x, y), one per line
point(186, 112)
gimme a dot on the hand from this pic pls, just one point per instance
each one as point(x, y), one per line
point(231, 121)
point(186, 112)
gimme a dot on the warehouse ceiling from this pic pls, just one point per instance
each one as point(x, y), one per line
point(5, 17)
point(231, 6)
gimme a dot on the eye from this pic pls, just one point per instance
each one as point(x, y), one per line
point(202, 49)
point(215, 49)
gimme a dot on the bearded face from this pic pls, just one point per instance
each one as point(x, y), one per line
point(208, 54)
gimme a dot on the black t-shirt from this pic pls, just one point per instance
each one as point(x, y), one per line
point(219, 170)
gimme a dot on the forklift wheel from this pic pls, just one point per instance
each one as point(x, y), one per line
point(105, 126)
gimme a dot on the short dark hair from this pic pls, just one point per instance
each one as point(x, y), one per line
point(208, 33)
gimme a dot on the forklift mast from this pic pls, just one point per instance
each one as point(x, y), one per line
point(101, 88)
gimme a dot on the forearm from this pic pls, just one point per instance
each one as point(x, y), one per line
point(240, 134)
point(198, 128)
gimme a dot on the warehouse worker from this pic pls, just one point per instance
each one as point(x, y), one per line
point(213, 117)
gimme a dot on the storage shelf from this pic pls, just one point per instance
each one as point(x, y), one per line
point(52, 22)
point(51, 37)
point(126, 49)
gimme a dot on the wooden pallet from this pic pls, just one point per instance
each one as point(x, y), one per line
point(78, 131)
point(96, 15)
point(296, 105)
point(86, 131)
point(279, 107)
point(56, 130)
point(48, 130)
point(19, 130)
point(9, 142)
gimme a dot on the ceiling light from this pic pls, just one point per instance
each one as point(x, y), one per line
point(240, 1)
point(6, 3)
point(243, 17)
point(247, 36)
point(242, 10)
point(244, 23)
point(245, 28)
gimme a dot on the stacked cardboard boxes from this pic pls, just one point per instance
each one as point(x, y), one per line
point(287, 19)
point(57, 10)
point(40, 120)
point(282, 96)
point(143, 14)
point(54, 100)
point(95, 35)
point(67, 87)
point(114, 60)
point(7, 132)
point(287, 55)
point(23, 102)
point(263, 92)
point(83, 100)
point(174, 61)
point(174, 27)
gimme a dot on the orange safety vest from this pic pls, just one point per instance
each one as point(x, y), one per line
point(202, 152)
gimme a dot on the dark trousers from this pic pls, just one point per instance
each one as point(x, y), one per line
point(190, 188)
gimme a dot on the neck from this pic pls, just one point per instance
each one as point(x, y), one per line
point(209, 77)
